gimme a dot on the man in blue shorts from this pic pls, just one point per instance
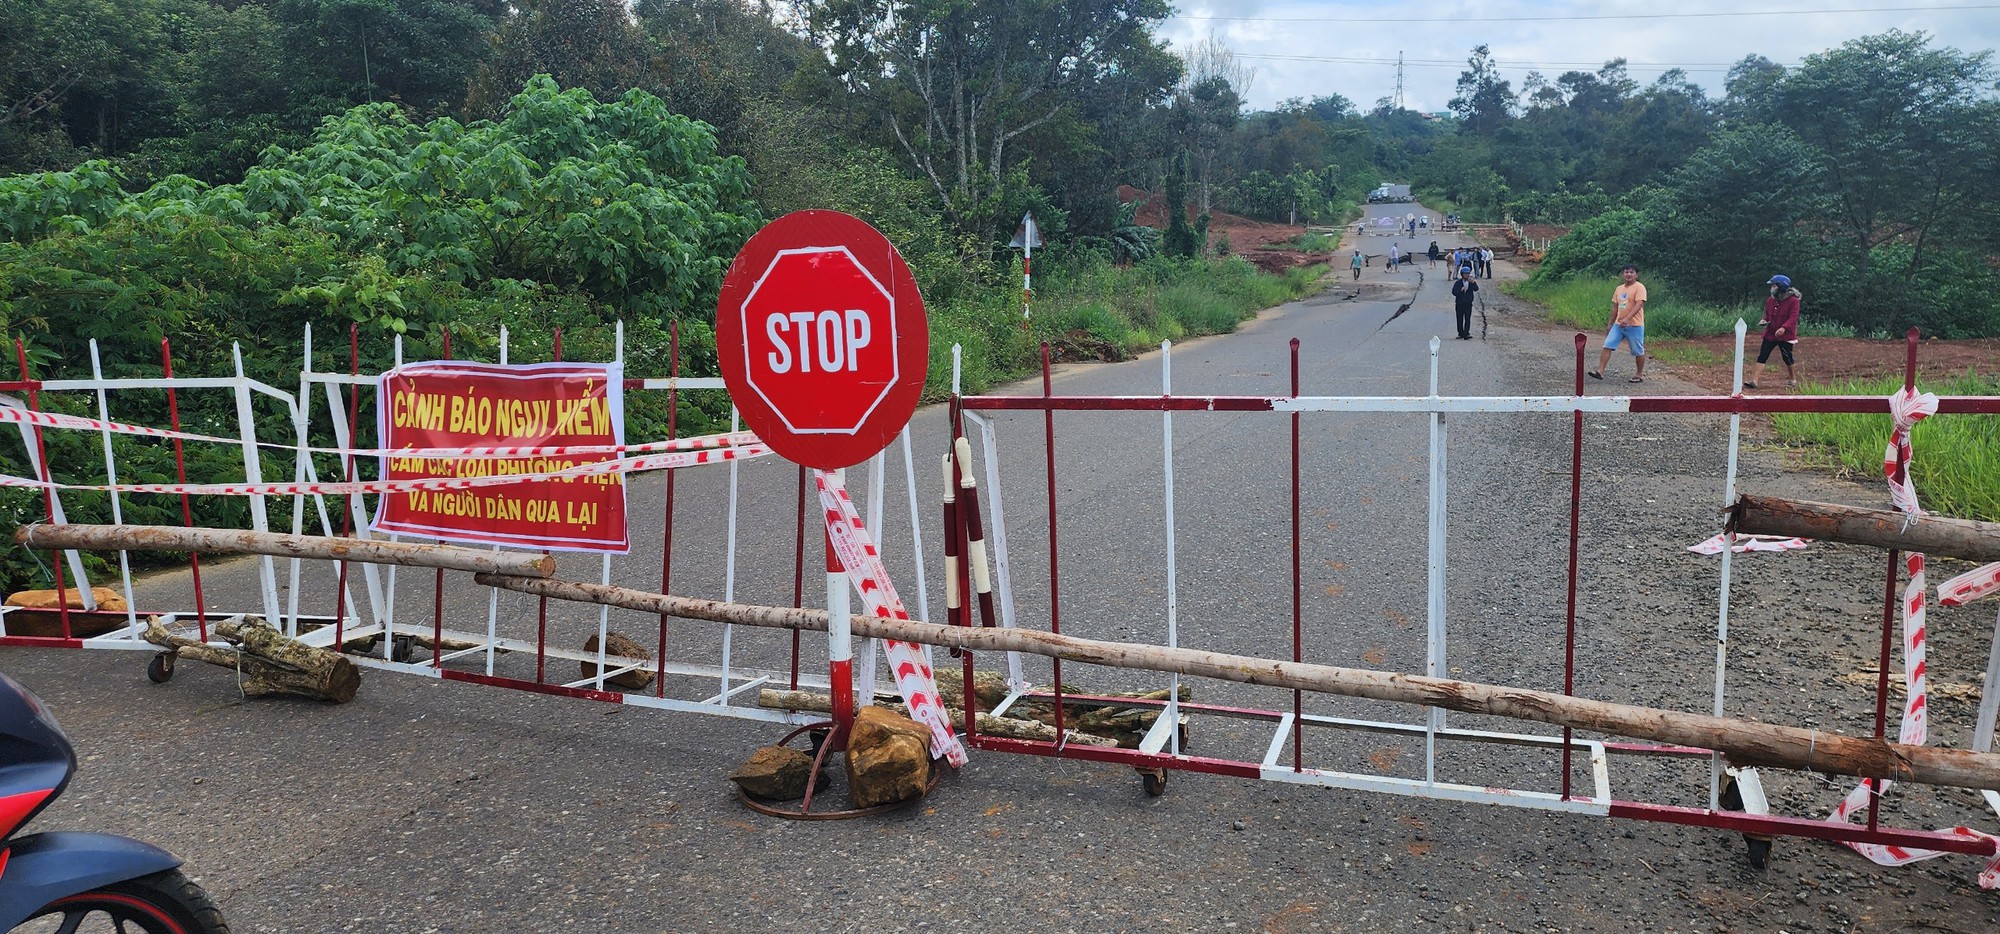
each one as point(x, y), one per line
point(1628, 324)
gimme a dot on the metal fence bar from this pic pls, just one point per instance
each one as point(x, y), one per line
point(1715, 766)
point(1434, 570)
point(111, 479)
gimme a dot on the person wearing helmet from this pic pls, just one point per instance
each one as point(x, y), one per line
point(1781, 331)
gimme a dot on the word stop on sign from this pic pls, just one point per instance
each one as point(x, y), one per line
point(829, 340)
point(821, 338)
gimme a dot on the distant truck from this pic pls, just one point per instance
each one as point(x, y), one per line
point(1390, 194)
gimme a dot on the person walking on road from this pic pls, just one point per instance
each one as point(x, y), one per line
point(1486, 260)
point(1395, 255)
point(1356, 264)
point(1461, 294)
point(1628, 324)
point(1781, 331)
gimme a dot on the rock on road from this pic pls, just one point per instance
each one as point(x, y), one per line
point(426, 806)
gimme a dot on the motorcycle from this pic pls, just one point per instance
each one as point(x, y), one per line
point(67, 881)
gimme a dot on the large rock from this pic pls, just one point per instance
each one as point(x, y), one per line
point(888, 758)
point(621, 645)
point(107, 599)
point(774, 772)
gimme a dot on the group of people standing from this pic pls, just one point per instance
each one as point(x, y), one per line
point(1477, 261)
point(1477, 258)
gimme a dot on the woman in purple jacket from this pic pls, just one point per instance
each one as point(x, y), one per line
point(1781, 330)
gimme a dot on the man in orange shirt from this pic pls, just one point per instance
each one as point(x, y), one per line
point(1628, 324)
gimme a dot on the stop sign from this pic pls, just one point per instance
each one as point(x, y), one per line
point(822, 339)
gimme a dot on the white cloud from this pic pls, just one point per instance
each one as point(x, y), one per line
point(1362, 39)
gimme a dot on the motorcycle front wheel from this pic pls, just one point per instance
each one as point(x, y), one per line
point(162, 903)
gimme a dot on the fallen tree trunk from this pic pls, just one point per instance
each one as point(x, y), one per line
point(1745, 742)
point(987, 723)
point(268, 661)
point(1126, 724)
point(1937, 536)
point(238, 541)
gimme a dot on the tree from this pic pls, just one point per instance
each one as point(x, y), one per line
point(1181, 239)
point(1655, 130)
point(1905, 135)
point(957, 85)
point(1485, 101)
point(590, 44)
point(1207, 105)
point(421, 53)
point(1742, 207)
point(80, 77)
point(1750, 92)
point(1204, 115)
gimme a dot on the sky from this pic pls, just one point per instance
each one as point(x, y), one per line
point(1306, 49)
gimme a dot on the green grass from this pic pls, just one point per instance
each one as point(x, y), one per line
point(1100, 311)
point(1955, 458)
point(1683, 354)
point(1317, 243)
point(1585, 303)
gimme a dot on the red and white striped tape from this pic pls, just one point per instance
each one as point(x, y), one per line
point(1907, 407)
point(15, 415)
point(870, 577)
point(623, 465)
point(1970, 586)
point(1713, 546)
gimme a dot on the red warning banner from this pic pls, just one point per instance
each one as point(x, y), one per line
point(445, 405)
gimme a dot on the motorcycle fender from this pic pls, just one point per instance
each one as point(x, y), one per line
point(36, 870)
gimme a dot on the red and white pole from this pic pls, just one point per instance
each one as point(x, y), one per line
point(1027, 280)
point(840, 642)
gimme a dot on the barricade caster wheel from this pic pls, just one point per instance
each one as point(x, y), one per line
point(1759, 851)
point(1757, 848)
point(161, 669)
point(1154, 781)
point(402, 649)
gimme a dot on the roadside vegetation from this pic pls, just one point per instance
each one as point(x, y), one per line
point(1955, 460)
point(1584, 302)
point(212, 172)
point(1854, 173)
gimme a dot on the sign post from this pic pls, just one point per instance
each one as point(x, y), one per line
point(1026, 239)
point(823, 343)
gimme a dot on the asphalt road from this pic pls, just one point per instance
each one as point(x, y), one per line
point(428, 806)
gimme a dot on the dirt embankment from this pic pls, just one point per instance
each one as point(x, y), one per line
point(1839, 359)
point(1256, 241)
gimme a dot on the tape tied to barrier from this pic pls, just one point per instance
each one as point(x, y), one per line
point(39, 419)
point(1906, 408)
point(870, 577)
point(711, 449)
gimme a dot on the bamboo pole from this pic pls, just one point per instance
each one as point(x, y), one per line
point(1010, 727)
point(238, 541)
point(1937, 536)
point(1746, 743)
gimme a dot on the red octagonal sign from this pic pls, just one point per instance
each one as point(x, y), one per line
point(822, 338)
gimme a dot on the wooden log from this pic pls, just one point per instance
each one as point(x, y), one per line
point(996, 726)
point(1972, 540)
point(238, 541)
point(268, 661)
point(1745, 742)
